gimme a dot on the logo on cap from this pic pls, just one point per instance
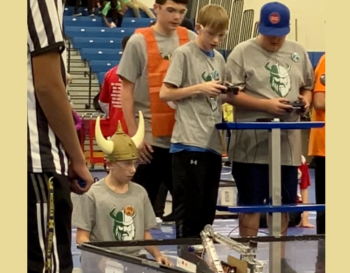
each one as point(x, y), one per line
point(274, 18)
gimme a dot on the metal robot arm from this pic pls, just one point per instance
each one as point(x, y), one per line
point(247, 253)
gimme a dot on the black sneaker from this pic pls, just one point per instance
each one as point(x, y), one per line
point(285, 267)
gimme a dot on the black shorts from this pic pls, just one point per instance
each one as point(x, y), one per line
point(252, 181)
point(37, 204)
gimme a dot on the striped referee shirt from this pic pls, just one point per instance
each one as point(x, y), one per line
point(45, 152)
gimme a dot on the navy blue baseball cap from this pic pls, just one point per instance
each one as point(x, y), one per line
point(274, 19)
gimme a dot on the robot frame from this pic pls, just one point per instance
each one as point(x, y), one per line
point(246, 264)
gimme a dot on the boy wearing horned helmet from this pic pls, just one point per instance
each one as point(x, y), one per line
point(116, 209)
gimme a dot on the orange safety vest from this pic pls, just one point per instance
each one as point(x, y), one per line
point(162, 115)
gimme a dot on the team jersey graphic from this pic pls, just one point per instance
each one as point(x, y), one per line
point(124, 227)
point(279, 78)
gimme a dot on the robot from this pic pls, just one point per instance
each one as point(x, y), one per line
point(246, 264)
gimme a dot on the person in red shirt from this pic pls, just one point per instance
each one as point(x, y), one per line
point(110, 97)
point(303, 197)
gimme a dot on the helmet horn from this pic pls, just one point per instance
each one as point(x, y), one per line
point(105, 145)
point(138, 137)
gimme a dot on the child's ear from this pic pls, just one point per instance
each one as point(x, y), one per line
point(108, 166)
point(198, 27)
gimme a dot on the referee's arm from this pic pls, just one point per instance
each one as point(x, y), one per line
point(45, 43)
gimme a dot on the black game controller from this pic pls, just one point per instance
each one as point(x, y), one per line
point(81, 183)
point(297, 105)
point(231, 89)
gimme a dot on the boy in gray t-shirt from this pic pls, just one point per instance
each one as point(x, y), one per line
point(194, 84)
point(273, 71)
point(116, 209)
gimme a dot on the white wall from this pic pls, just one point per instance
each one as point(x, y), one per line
point(148, 3)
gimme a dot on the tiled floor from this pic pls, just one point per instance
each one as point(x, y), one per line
point(301, 255)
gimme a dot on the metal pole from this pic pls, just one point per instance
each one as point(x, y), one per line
point(275, 197)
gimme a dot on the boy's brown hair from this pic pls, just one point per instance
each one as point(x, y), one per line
point(213, 16)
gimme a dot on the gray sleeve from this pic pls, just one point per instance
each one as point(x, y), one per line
point(191, 35)
point(177, 69)
point(223, 69)
point(234, 67)
point(133, 59)
point(150, 217)
point(84, 212)
point(309, 73)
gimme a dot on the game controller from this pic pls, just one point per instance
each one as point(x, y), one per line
point(231, 89)
point(297, 105)
point(81, 183)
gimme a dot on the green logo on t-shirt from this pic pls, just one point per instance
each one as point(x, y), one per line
point(213, 75)
point(279, 79)
point(166, 56)
point(124, 228)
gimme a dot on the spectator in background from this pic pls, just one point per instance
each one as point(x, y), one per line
point(114, 10)
point(89, 4)
point(303, 197)
point(136, 5)
point(78, 122)
point(110, 96)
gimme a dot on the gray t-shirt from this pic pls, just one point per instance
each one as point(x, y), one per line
point(197, 115)
point(133, 67)
point(114, 217)
point(268, 75)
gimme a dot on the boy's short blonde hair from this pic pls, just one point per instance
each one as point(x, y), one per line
point(213, 16)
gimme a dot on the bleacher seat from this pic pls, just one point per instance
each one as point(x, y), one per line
point(69, 11)
point(83, 21)
point(100, 77)
point(136, 22)
point(97, 21)
point(98, 32)
point(91, 54)
point(314, 57)
point(101, 43)
point(317, 57)
point(311, 57)
point(102, 66)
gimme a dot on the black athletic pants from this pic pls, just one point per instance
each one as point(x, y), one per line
point(196, 178)
point(151, 175)
point(320, 189)
point(37, 214)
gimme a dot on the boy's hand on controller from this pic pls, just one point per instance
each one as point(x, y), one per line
point(212, 88)
point(306, 103)
point(278, 106)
